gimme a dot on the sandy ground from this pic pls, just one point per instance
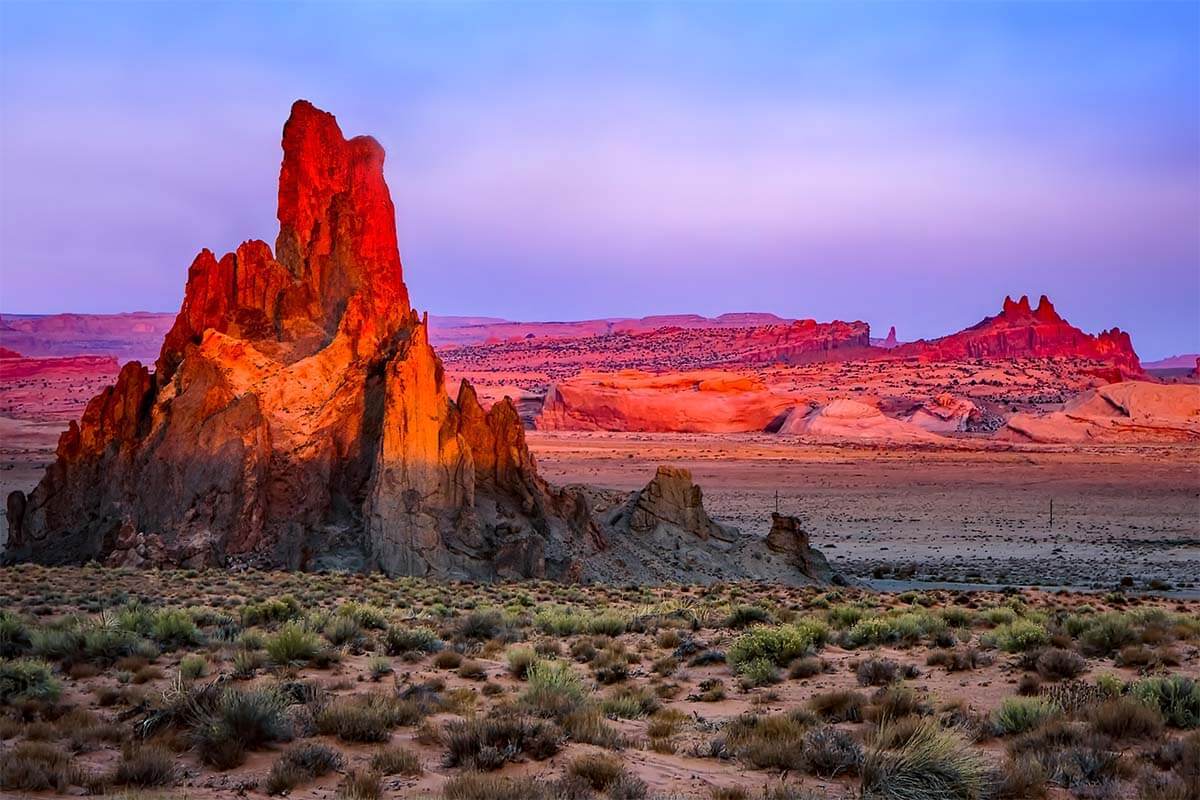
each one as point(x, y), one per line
point(973, 514)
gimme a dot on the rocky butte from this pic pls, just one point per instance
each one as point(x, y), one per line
point(297, 417)
point(1020, 331)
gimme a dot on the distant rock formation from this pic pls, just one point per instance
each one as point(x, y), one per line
point(6, 353)
point(297, 416)
point(888, 342)
point(1021, 332)
point(848, 419)
point(705, 402)
point(1131, 411)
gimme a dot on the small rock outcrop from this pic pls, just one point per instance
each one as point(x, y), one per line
point(297, 416)
point(844, 418)
point(671, 498)
point(1131, 411)
point(662, 534)
point(789, 539)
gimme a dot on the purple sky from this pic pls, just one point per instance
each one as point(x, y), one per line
point(905, 164)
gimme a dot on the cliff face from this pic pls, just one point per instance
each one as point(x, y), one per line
point(297, 417)
point(1019, 331)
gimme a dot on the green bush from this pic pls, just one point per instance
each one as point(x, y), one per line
point(15, 637)
point(174, 628)
point(403, 640)
point(1177, 697)
point(293, 645)
point(1021, 714)
point(239, 721)
point(1020, 636)
point(554, 689)
point(779, 645)
point(25, 679)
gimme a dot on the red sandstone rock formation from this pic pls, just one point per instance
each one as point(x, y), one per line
point(297, 416)
point(1021, 332)
point(1131, 411)
point(6, 353)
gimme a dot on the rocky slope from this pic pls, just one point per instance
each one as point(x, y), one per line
point(1019, 331)
point(297, 416)
point(1132, 411)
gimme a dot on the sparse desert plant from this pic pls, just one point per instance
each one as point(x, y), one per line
point(933, 763)
point(487, 743)
point(400, 640)
point(596, 770)
point(25, 679)
point(1021, 714)
point(145, 765)
point(830, 752)
point(554, 689)
point(1055, 664)
point(293, 645)
point(1020, 636)
point(300, 765)
point(481, 786)
point(360, 785)
point(192, 667)
point(520, 659)
point(838, 706)
point(743, 616)
point(764, 742)
point(877, 672)
point(174, 628)
point(236, 722)
point(396, 761)
point(378, 667)
point(1125, 718)
point(36, 766)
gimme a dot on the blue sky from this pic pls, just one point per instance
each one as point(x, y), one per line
point(901, 163)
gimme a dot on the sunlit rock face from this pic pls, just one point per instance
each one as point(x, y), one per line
point(297, 416)
point(1020, 331)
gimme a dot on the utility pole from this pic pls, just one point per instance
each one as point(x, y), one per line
point(776, 501)
point(1051, 513)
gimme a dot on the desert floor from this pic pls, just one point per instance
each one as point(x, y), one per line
point(976, 514)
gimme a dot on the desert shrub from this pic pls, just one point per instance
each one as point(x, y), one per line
point(365, 616)
point(587, 725)
point(300, 765)
point(764, 742)
point(448, 659)
point(805, 667)
point(36, 766)
point(1056, 664)
point(744, 616)
point(481, 625)
point(403, 640)
point(1022, 778)
point(630, 702)
point(597, 770)
point(877, 672)
point(897, 701)
point(906, 628)
point(1125, 718)
point(107, 644)
point(557, 621)
point(193, 667)
point(1107, 633)
point(838, 706)
point(396, 761)
point(959, 659)
point(57, 643)
point(1021, 714)
point(1176, 696)
point(272, 610)
point(144, 766)
point(293, 645)
point(472, 670)
point(554, 689)
point(931, 764)
point(15, 637)
point(487, 743)
point(520, 659)
point(26, 679)
point(378, 666)
point(606, 624)
point(758, 672)
point(829, 752)
point(479, 786)
point(780, 645)
point(360, 785)
point(342, 630)
point(239, 721)
point(174, 628)
point(365, 718)
point(1020, 636)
